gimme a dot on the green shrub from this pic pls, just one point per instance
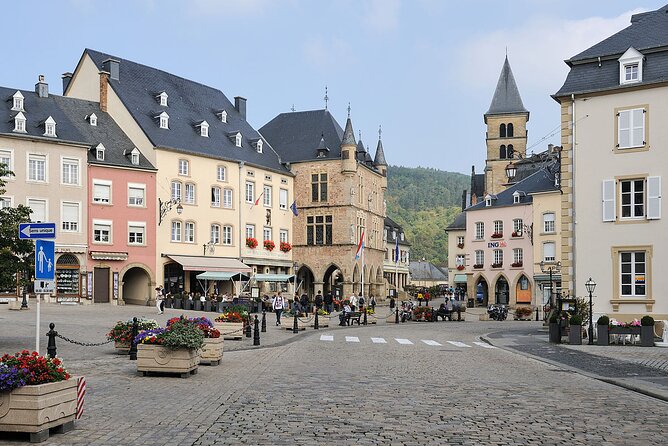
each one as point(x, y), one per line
point(603, 320)
point(183, 335)
point(647, 321)
point(576, 320)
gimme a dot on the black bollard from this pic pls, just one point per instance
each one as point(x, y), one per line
point(264, 321)
point(315, 324)
point(24, 302)
point(133, 346)
point(536, 313)
point(51, 345)
point(248, 327)
point(295, 327)
point(256, 333)
point(396, 317)
point(364, 310)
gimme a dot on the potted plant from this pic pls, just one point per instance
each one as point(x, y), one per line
point(251, 242)
point(602, 330)
point(122, 332)
point(170, 350)
point(497, 235)
point(36, 394)
point(460, 245)
point(169, 301)
point(269, 245)
point(516, 264)
point(207, 303)
point(212, 351)
point(647, 331)
point(554, 328)
point(497, 265)
point(523, 313)
point(575, 334)
point(230, 324)
point(285, 247)
point(477, 266)
point(197, 304)
point(460, 267)
point(516, 234)
point(178, 301)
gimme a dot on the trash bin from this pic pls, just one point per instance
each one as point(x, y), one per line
point(470, 303)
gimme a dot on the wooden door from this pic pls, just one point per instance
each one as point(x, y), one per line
point(101, 285)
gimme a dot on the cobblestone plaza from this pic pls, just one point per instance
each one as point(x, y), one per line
point(406, 384)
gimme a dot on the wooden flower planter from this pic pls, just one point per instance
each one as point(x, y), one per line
point(212, 352)
point(159, 359)
point(230, 330)
point(36, 409)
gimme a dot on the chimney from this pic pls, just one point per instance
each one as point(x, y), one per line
point(240, 105)
point(112, 66)
point(41, 87)
point(67, 78)
point(104, 87)
point(464, 193)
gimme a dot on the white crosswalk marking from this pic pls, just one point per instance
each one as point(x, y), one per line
point(403, 341)
point(378, 341)
point(484, 345)
point(326, 337)
point(352, 339)
point(430, 342)
point(458, 344)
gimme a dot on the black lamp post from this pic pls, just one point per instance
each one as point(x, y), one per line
point(590, 285)
point(166, 206)
point(511, 171)
point(550, 268)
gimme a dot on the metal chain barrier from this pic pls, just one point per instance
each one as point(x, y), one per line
point(85, 344)
point(305, 321)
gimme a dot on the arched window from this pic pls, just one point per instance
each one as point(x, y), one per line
point(502, 130)
point(509, 132)
point(502, 151)
point(511, 151)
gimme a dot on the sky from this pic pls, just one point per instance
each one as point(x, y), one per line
point(424, 70)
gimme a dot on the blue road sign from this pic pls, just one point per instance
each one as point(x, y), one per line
point(37, 230)
point(45, 256)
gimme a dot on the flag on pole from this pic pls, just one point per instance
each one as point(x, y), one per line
point(396, 250)
point(360, 247)
point(293, 208)
point(257, 201)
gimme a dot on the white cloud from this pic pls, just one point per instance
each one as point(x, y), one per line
point(536, 50)
point(327, 54)
point(382, 15)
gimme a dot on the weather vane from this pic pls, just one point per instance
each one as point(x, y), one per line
point(348, 110)
point(380, 132)
point(326, 97)
point(293, 108)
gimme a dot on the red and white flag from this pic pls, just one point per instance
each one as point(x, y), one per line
point(360, 247)
point(257, 201)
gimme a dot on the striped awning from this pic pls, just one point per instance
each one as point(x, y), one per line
point(274, 277)
point(460, 278)
point(210, 264)
point(218, 275)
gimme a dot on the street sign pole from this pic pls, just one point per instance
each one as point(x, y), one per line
point(37, 325)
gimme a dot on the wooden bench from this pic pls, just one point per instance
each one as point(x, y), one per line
point(353, 316)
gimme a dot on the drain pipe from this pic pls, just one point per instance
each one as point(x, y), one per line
point(574, 219)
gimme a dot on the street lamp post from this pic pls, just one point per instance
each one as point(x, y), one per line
point(590, 285)
point(550, 268)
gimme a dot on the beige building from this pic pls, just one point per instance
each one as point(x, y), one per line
point(396, 265)
point(220, 187)
point(340, 196)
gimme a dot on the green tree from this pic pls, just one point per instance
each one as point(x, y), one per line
point(16, 256)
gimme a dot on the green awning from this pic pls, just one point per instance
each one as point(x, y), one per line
point(220, 275)
point(274, 277)
point(460, 278)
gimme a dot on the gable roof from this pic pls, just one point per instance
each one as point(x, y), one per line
point(189, 104)
point(296, 136)
point(71, 125)
point(423, 270)
point(648, 33)
point(458, 224)
point(394, 226)
point(506, 96)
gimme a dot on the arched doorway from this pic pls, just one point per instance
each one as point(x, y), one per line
point(523, 290)
point(67, 278)
point(380, 284)
point(305, 279)
point(501, 291)
point(357, 280)
point(481, 292)
point(333, 281)
point(136, 286)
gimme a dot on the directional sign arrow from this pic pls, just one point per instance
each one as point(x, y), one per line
point(37, 230)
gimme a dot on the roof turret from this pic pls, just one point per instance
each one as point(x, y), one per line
point(507, 96)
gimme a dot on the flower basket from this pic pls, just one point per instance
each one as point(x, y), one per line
point(122, 331)
point(460, 267)
point(157, 358)
point(212, 352)
point(285, 247)
point(460, 245)
point(516, 234)
point(516, 264)
point(477, 266)
point(497, 235)
point(229, 330)
point(497, 265)
point(251, 242)
point(269, 245)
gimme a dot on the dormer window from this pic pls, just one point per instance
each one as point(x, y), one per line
point(222, 115)
point(164, 120)
point(203, 129)
point(99, 152)
point(17, 101)
point(630, 67)
point(50, 127)
point(134, 157)
point(258, 145)
point(517, 196)
point(235, 137)
point(92, 119)
point(162, 99)
point(20, 123)
point(488, 201)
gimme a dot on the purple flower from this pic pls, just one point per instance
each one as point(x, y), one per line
point(157, 332)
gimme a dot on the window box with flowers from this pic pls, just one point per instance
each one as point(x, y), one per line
point(251, 242)
point(516, 264)
point(497, 265)
point(285, 247)
point(36, 394)
point(497, 235)
point(477, 266)
point(516, 234)
point(269, 245)
point(460, 267)
point(460, 245)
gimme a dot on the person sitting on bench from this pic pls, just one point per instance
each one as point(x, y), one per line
point(345, 314)
point(443, 312)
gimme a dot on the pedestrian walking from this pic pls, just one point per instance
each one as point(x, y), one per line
point(278, 304)
point(353, 302)
point(318, 301)
point(164, 296)
point(361, 301)
point(304, 302)
point(373, 303)
point(158, 299)
point(329, 302)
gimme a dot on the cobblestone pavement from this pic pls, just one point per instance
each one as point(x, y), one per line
point(407, 384)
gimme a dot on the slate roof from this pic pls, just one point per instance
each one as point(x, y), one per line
point(533, 163)
point(296, 135)
point(458, 224)
point(189, 104)
point(648, 33)
point(506, 96)
point(379, 159)
point(348, 133)
point(478, 184)
point(71, 125)
point(422, 270)
point(392, 225)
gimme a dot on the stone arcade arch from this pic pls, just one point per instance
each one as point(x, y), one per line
point(501, 290)
point(333, 281)
point(481, 291)
point(137, 284)
point(305, 279)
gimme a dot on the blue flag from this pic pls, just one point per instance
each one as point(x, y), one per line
point(293, 208)
point(396, 250)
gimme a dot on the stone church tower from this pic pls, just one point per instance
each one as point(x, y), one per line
point(506, 137)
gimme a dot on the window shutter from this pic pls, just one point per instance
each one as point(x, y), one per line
point(638, 130)
point(608, 192)
point(71, 212)
point(653, 198)
point(624, 125)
